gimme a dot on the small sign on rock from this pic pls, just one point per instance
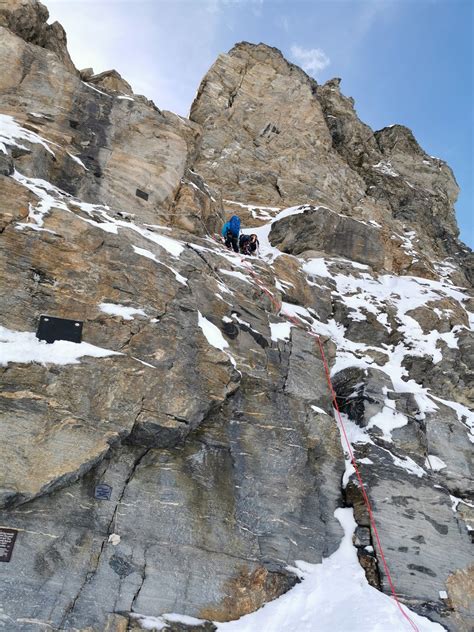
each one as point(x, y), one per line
point(7, 542)
point(51, 329)
point(103, 492)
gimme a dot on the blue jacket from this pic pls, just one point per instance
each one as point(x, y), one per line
point(233, 225)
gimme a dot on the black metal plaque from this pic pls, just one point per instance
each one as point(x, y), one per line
point(141, 194)
point(103, 492)
point(7, 542)
point(51, 329)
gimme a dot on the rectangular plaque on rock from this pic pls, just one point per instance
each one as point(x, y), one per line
point(103, 492)
point(141, 194)
point(7, 542)
point(51, 329)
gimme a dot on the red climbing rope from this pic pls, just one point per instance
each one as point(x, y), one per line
point(299, 324)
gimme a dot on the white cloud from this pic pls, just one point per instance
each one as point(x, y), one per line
point(312, 60)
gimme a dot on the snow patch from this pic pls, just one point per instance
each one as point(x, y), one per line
point(23, 347)
point(161, 623)
point(434, 463)
point(149, 255)
point(267, 251)
point(388, 419)
point(386, 169)
point(127, 313)
point(317, 267)
point(280, 331)
point(12, 132)
point(318, 410)
point(235, 274)
point(49, 195)
point(334, 596)
point(212, 333)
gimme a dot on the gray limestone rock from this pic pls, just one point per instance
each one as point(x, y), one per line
point(318, 228)
point(188, 468)
point(6, 165)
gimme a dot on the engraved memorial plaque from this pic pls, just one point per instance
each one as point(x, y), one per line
point(7, 542)
point(103, 492)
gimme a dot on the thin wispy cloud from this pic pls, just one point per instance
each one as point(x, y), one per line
point(370, 13)
point(216, 6)
point(282, 22)
point(312, 60)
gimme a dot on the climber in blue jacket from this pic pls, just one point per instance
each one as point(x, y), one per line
point(230, 232)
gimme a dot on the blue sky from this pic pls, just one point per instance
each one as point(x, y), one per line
point(403, 61)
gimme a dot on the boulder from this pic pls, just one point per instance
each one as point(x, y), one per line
point(109, 80)
point(318, 228)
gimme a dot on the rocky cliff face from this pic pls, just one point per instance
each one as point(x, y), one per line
point(197, 402)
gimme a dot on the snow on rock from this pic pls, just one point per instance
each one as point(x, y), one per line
point(214, 337)
point(172, 246)
point(258, 212)
point(456, 501)
point(161, 623)
point(127, 313)
point(12, 132)
point(78, 160)
point(334, 596)
point(235, 274)
point(434, 463)
point(267, 251)
point(23, 347)
point(212, 333)
point(149, 255)
point(289, 309)
point(408, 464)
point(50, 197)
point(377, 295)
point(88, 85)
point(318, 410)
point(464, 414)
point(386, 169)
point(280, 331)
point(317, 267)
point(387, 420)
point(357, 435)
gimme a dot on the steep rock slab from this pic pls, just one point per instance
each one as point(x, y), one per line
point(331, 233)
point(83, 261)
point(409, 465)
point(58, 421)
point(56, 427)
point(265, 140)
point(101, 146)
point(206, 528)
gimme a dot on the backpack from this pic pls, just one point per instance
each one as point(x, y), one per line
point(234, 225)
